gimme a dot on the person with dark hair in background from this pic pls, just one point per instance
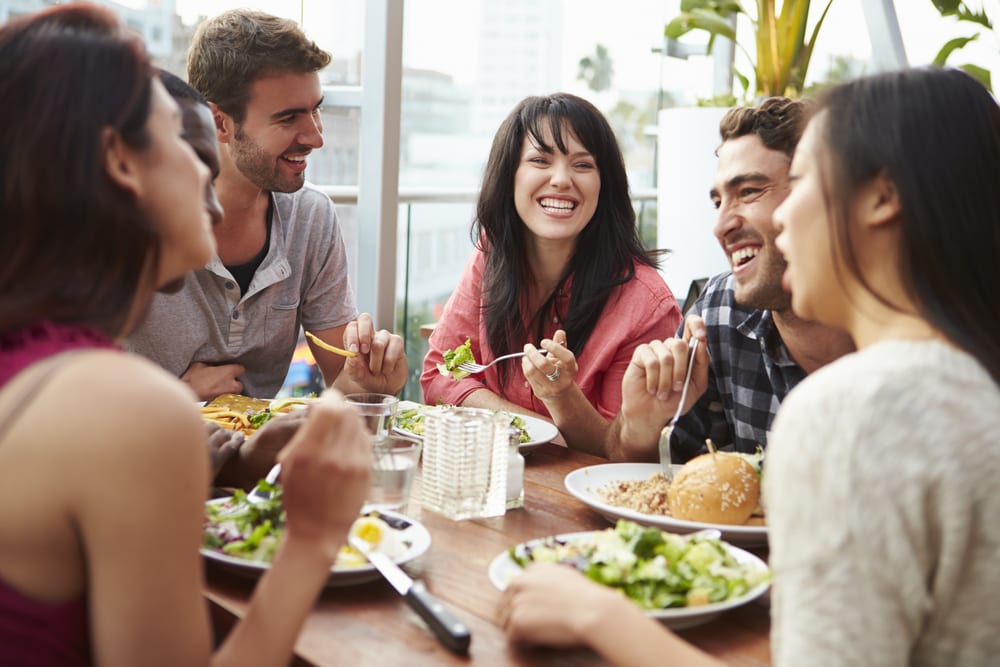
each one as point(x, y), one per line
point(236, 461)
point(756, 349)
point(281, 264)
point(199, 132)
point(103, 473)
point(882, 469)
point(559, 265)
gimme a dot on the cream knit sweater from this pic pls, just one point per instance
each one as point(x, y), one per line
point(882, 488)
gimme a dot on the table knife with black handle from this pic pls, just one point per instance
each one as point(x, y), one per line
point(451, 632)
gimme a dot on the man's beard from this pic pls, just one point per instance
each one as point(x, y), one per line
point(260, 168)
point(765, 292)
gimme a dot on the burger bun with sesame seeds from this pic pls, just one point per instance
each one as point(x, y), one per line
point(715, 488)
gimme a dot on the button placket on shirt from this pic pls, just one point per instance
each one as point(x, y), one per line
point(237, 321)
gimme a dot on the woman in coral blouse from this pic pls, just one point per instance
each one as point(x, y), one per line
point(559, 272)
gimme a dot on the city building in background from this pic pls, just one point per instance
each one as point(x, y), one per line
point(520, 53)
point(154, 20)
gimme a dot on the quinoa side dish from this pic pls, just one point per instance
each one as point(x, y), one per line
point(648, 496)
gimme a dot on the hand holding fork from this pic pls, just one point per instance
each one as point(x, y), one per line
point(664, 442)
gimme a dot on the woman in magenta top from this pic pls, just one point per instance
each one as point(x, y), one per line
point(558, 266)
point(103, 465)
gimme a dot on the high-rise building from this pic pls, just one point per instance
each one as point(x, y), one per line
point(154, 22)
point(520, 53)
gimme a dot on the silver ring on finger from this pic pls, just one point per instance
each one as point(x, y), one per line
point(554, 375)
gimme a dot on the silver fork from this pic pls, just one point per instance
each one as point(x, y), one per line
point(259, 495)
point(470, 367)
point(664, 444)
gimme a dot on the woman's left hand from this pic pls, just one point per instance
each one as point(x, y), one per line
point(551, 374)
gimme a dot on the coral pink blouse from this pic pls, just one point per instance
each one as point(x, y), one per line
point(641, 310)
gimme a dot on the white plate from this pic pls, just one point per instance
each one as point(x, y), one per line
point(585, 482)
point(502, 569)
point(415, 533)
point(539, 430)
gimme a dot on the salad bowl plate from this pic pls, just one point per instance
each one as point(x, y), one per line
point(584, 484)
point(503, 568)
point(414, 535)
point(539, 431)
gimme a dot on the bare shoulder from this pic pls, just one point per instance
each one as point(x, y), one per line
point(107, 436)
point(130, 386)
point(111, 403)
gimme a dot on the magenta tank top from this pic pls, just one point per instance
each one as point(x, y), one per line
point(23, 347)
point(33, 633)
point(36, 634)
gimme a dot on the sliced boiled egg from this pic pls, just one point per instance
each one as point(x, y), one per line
point(369, 529)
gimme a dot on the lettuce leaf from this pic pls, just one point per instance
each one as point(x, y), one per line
point(452, 358)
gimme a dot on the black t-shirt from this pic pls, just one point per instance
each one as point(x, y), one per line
point(243, 273)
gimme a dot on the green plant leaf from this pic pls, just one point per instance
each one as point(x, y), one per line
point(792, 33)
point(946, 7)
point(699, 19)
point(717, 101)
point(801, 65)
point(744, 81)
point(689, 5)
point(768, 59)
point(982, 75)
point(721, 7)
point(676, 27)
point(951, 45)
point(980, 17)
point(782, 53)
point(795, 16)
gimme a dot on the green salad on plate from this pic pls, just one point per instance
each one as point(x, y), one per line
point(250, 530)
point(410, 420)
point(653, 568)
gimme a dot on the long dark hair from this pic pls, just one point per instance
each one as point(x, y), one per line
point(76, 246)
point(935, 133)
point(606, 251)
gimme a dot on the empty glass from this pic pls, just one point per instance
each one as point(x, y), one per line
point(377, 410)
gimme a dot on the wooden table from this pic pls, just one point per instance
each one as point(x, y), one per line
point(370, 625)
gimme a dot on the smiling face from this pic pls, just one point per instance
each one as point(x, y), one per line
point(281, 127)
point(750, 182)
point(803, 223)
point(173, 182)
point(556, 193)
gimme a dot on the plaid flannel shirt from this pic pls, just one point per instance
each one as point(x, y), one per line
point(750, 373)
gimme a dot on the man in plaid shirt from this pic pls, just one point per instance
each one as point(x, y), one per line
point(754, 348)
